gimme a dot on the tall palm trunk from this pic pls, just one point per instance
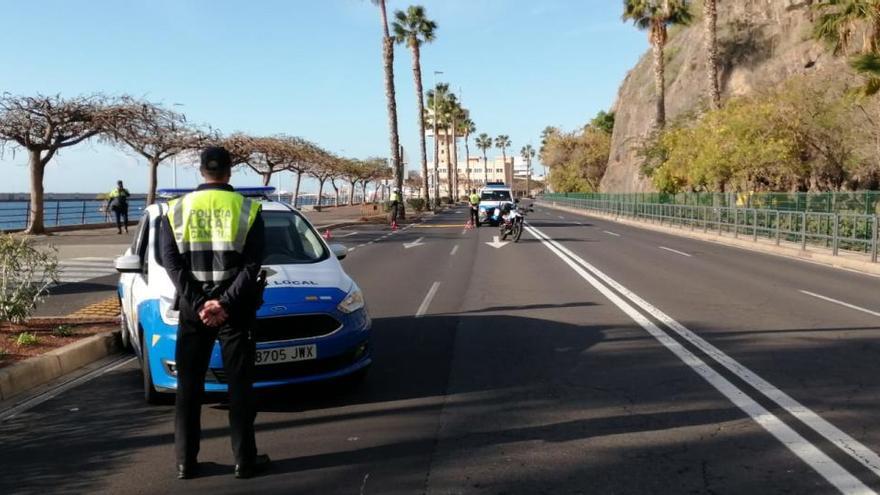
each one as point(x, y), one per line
point(449, 166)
point(485, 169)
point(417, 75)
point(391, 97)
point(504, 166)
point(658, 41)
point(454, 195)
point(710, 21)
point(38, 168)
point(467, 161)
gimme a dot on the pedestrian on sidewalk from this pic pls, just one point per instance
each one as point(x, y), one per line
point(474, 200)
point(212, 243)
point(117, 202)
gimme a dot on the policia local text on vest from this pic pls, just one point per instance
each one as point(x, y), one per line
point(212, 244)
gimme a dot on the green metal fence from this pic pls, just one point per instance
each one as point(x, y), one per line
point(835, 231)
point(861, 202)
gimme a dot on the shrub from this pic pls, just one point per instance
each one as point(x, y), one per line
point(417, 204)
point(27, 338)
point(25, 274)
point(63, 331)
point(3, 354)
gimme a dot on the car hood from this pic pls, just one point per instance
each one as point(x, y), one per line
point(325, 274)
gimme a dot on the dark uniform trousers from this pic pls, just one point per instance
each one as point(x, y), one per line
point(195, 341)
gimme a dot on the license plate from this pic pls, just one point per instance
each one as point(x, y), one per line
point(286, 354)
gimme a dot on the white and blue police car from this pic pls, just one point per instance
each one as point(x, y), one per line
point(493, 195)
point(313, 324)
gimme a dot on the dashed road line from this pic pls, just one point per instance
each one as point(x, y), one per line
point(841, 303)
point(676, 251)
point(615, 234)
point(423, 308)
point(454, 250)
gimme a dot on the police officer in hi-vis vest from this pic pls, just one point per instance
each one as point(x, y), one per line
point(212, 247)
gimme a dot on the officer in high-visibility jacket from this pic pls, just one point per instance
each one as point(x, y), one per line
point(474, 200)
point(212, 247)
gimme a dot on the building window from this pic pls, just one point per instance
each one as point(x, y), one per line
point(499, 170)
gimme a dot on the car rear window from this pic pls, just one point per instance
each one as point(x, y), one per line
point(290, 240)
point(495, 196)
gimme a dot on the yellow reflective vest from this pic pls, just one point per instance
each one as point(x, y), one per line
point(210, 228)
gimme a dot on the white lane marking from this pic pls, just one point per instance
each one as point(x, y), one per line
point(611, 233)
point(352, 249)
point(348, 234)
point(427, 301)
point(676, 251)
point(844, 304)
point(55, 392)
point(415, 243)
point(561, 217)
point(820, 425)
point(463, 232)
point(454, 250)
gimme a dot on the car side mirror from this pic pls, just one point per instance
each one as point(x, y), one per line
point(129, 263)
point(339, 251)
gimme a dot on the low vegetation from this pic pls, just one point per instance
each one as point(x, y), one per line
point(578, 159)
point(804, 136)
point(63, 331)
point(27, 339)
point(26, 272)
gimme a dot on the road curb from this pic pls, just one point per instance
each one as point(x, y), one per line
point(38, 370)
point(839, 262)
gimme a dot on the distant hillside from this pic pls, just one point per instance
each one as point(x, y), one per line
point(761, 44)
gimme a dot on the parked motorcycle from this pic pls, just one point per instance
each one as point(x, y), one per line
point(510, 219)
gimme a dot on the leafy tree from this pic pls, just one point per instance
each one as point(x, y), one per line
point(577, 160)
point(43, 125)
point(656, 16)
point(839, 22)
point(413, 28)
point(604, 121)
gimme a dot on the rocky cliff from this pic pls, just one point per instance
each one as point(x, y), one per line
point(761, 44)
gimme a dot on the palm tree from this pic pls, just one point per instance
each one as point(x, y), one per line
point(414, 29)
point(437, 111)
point(527, 153)
point(467, 127)
point(656, 16)
point(839, 21)
point(710, 23)
point(502, 142)
point(454, 115)
point(390, 95)
point(484, 143)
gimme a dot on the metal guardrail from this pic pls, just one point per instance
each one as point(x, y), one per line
point(15, 215)
point(834, 231)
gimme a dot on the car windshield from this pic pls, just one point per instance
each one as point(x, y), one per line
point(500, 195)
point(289, 240)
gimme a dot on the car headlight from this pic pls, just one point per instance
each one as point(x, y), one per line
point(352, 302)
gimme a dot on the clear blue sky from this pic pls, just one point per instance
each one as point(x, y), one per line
point(308, 68)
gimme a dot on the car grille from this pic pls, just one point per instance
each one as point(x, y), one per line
point(294, 327)
point(301, 368)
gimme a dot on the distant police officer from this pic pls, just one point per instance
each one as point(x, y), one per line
point(212, 247)
point(117, 202)
point(474, 200)
point(395, 207)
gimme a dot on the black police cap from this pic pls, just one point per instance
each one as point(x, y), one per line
point(215, 159)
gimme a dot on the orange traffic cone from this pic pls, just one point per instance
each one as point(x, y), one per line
point(327, 235)
point(470, 225)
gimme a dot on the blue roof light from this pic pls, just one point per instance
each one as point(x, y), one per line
point(244, 191)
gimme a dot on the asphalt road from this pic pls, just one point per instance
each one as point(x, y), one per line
point(589, 358)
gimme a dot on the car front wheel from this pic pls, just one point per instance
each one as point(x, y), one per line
point(151, 395)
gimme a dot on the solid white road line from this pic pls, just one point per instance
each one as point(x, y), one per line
point(611, 233)
point(427, 301)
point(844, 304)
point(561, 217)
point(454, 250)
point(348, 234)
point(676, 251)
point(52, 393)
point(838, 437)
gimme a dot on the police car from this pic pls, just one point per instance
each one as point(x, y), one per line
point(313, 324)
point(494, 195)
